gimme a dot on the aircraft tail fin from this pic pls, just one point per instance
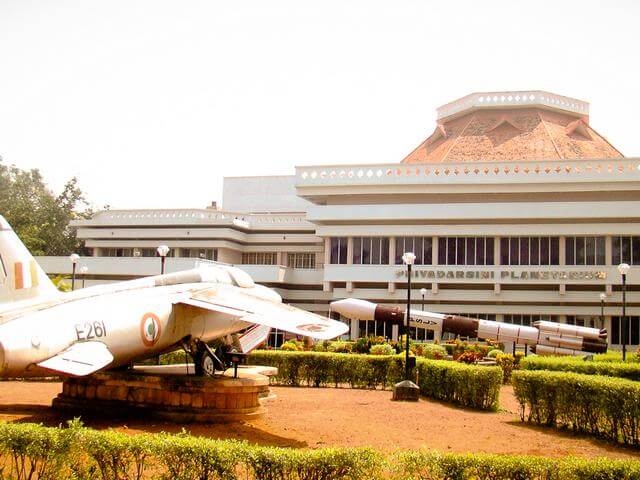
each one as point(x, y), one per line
point(21, 278)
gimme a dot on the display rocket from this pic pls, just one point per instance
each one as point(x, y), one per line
point(544, 338)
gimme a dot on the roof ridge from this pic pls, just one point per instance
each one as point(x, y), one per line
point(455, 142)
point(605, 139)
point(553, 142)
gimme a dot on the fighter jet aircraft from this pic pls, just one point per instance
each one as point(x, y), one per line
point(544, 338)
point(43, 330)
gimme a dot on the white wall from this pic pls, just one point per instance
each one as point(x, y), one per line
point(262, 194)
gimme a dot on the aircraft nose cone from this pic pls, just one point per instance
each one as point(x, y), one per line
point(354, 308)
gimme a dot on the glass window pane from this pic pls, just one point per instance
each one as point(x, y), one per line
point(451, 251)
point(366, 250)
point(460, 257)
point(428, 251)
point(489, 260)
point(514, 250)
point(384, 252)
point(570, 250)
point(417, 250)
point(399, 250)
point(442, 251)
point(479, 254)
point(590, 250)
point(334, 250)
point(625, 250)
point(343, 251)
point(554, 251)
point(524, 251)
point(375, 250)
point(580, 252)
point(635, 331)
point(357, 250)
point(635, 251)
point(615, 330)
point(600, 251)
point(471, 251)
point(504, 251)
point(534, 248)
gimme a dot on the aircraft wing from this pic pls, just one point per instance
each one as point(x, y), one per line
point(270, 314)
point(79, 359)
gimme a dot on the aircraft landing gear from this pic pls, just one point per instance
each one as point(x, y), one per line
point(206, 362)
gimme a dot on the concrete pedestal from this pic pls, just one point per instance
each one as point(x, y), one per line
point(164, 393)
point(406, 391)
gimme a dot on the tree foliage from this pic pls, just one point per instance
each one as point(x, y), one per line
point(39, 217)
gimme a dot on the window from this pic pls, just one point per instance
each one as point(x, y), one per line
point(420, 246)
point(420, 334)
point(259, 258)
point(584, 250)
point(339, 250)
point(203, 253)
point(633, 333)
point(370, 250)
point(465, 251)
point(117, 252)
point(530, 251)
point(625, 250)
point(301, 260)
point(374, 328)
point(276, 338)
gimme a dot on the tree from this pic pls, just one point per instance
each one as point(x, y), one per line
point(38, 216)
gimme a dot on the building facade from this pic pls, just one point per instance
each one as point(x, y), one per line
point(516, 209)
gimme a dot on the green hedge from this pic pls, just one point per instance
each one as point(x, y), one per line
point(603, 406)
point(467, 385)
point(33, 451)
point(435, 466)
point(627, 370)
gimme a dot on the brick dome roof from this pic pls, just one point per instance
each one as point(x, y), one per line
point(512, 126)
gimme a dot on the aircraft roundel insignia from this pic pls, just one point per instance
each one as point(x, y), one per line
point(312, 327)
point(150, 329)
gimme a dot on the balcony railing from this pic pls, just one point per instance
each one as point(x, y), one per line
point(528, 171)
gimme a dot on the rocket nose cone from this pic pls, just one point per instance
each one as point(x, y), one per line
point(354, 308)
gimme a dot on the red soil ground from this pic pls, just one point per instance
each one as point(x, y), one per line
point(311, 418)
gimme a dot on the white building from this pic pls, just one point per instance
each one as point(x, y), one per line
point(516, 208)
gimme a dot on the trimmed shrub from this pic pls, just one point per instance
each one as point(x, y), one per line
point(435, 466)
point(494, 353)
point(292, 346)
point(340, 347)
point(603, 406)
point(33, 451)
point(467, 385)
point(384, 349)
point(429, 350)
point(626, 370)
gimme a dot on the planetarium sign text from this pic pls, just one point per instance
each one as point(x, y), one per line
point(502, 274)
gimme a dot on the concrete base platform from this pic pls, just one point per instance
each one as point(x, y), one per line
point(167, 393)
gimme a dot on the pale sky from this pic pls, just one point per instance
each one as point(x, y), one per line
point(150, 103)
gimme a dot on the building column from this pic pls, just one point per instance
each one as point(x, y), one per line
point(394, 332)
point(350, 251)
point(434, 251)
point(280, 260)
point(97, 251)
point(326, 286)
point(354, 331)
point(562, 253)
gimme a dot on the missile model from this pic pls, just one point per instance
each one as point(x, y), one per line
point(544, 338)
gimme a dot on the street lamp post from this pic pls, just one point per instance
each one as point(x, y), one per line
point(408, 258)
point(623, 268)
point(423, 292)
point(83, 271)
point(407, 390)
point(603, 297)
point(163, 251)
point(75, 258)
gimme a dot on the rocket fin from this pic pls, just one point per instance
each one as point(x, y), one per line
point(80, 359)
